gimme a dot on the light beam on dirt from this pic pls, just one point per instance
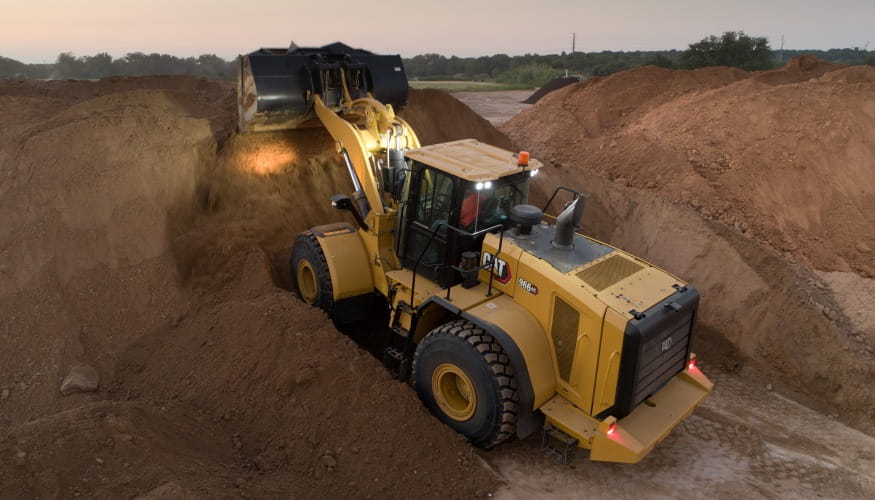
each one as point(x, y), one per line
point(267, 159)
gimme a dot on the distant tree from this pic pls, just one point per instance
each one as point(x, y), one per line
point(533, 75)
point(211, 65)
point(12, 68)
point(98, 66)
point(68, 66)
point(730, 49)
point(663, 61)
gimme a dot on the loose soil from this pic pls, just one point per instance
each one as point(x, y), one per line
point(437, 116)
point(143, 237)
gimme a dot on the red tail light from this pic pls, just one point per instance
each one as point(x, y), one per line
point(692, 364)
point(612, 428)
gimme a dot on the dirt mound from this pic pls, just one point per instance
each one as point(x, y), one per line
point(85, 262)
point(776, 165)
point(554, 84)
point(142, 238)
point(436, 116)
point(786, 162)
point(213, 100)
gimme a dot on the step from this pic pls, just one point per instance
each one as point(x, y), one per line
point(558, 445)
point(396, 362)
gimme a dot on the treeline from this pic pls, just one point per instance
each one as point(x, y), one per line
point(730, 49)
point(530, 68)
point(68, 66)
point(852, 57)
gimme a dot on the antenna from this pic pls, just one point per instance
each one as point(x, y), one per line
point(782, 49)
point(573, 42)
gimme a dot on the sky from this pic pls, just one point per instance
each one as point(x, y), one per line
point(38, 30)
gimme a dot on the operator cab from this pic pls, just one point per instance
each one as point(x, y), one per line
point(455, 191)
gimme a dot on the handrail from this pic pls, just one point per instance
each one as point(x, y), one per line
point(577, 194)
point(461, 232)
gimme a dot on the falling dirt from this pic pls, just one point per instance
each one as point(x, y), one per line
point(142, 237)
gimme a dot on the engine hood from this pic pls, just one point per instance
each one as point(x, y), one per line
point(621, 281)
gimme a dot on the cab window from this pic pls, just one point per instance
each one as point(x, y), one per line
point(435, 199)
point(486, 204)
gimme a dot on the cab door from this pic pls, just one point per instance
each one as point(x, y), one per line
point(430, 208)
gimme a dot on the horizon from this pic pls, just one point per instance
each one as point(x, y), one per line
point(231, 58)
point(37, 33)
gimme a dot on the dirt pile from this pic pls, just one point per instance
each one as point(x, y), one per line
point(782, 154)
point(85, 187)
point(744, 183)
point(436, 116)
point(142, 238)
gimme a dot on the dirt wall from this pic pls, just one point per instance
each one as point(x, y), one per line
point(747, 185)
point(141, 237)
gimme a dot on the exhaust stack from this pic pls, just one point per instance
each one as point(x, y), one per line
point(567, 222)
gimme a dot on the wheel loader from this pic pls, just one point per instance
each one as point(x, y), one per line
point(504, 319)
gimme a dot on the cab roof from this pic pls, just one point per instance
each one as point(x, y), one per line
point(471, 160)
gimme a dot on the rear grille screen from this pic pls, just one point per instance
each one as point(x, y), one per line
point(564, 333)
point(608, 272)
point(662, 356)
point(655, 349)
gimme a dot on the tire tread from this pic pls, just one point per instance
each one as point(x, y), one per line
point(497, 361)
point(325, 297)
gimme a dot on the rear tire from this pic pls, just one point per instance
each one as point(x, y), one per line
point(464, 377)
point(310, 273)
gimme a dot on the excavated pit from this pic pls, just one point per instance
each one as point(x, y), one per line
point(144, 238)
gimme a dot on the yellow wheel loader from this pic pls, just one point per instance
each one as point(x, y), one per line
point(505, 320)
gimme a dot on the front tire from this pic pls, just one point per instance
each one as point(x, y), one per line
point(464, 377)
point(310, 273)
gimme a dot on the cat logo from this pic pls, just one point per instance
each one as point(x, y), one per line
point(666, 345)
point(501, 270)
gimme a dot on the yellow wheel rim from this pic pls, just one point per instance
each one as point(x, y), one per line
point(306, 281)
point(454, 392)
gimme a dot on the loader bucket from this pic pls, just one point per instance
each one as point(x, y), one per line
point(275, 87)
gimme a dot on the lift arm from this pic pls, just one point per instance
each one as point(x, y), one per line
point(363, 129)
